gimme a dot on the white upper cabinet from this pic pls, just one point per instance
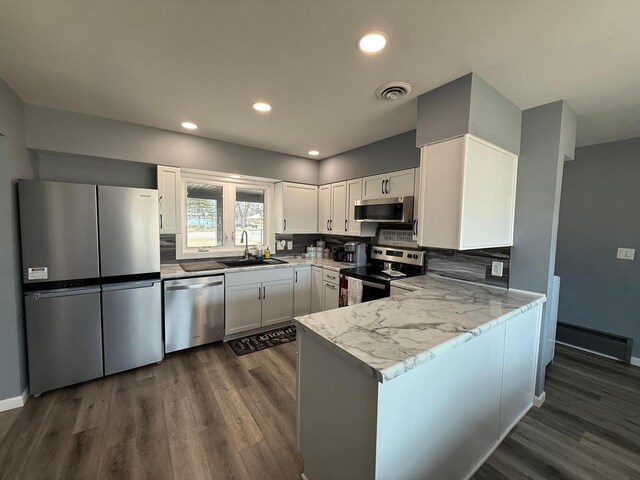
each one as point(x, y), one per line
point(296, 208)
point(373, 187)
point(324, 208)
point(401, 183)
point(336, 209)
point(338, 223)
point(394, 184)
point(416, 203)
point(168, 199)
point(467, 195)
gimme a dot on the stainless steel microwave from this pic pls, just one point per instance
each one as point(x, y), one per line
point(385, 210)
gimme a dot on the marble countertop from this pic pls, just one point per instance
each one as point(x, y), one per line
point(414, 283)
point(173, 270)
point(391, 336)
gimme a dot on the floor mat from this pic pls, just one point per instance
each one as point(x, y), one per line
point(260, 341)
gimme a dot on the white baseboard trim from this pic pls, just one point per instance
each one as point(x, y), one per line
point(303, 477)
point(635, 361)
point(14, 402)
point(539, 400)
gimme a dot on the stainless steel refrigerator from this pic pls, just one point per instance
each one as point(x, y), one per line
point(91, 270)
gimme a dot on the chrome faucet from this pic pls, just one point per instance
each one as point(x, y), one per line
point(245, 235)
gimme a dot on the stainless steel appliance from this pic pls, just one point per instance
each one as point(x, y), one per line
point(91, 268)
point(387, 263)
point(355, 252)
point(194, 312)
point(385, 210)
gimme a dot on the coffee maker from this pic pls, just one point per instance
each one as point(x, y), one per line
point(355, 252)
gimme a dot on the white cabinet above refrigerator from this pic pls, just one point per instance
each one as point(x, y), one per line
point(467, 195)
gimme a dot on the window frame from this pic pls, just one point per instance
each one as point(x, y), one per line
point(228, 248)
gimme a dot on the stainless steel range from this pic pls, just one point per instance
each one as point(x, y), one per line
point(387, 263)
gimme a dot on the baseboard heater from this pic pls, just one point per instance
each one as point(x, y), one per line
point(605, 343)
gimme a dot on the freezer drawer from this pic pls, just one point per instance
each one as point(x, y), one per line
point(131, 325)
point(193, 312)
point(129, 231)
point(59, 225)
point(64, 339)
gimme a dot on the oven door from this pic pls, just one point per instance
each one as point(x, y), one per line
point(370, 290)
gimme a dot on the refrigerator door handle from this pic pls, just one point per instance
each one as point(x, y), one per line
point(128, 286)
point(194, 286)
point(67, 292)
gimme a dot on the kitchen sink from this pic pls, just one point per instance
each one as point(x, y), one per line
point(249, 262)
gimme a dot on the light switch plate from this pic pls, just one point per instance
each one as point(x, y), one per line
point(626, 254)
point(496, 269)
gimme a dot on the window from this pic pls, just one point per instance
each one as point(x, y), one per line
point(216, 211)
point(205, 215)
point(249, 216)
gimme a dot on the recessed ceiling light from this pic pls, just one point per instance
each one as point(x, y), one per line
point(189, 125)
point(235, 176)
point(314, 152)
point(261, 107)
point(372, 42)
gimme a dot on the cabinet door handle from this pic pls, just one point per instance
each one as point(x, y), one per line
point(160, 221)
point(386, 187)
point(160, 208)
point(285, 224)
point(382, 187)
point(264, 292)
point(331, 224)
point(296, 276)
point(259, 294)
point(415, 223)
point(346, 225)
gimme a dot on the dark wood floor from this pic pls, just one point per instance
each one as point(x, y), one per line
point(206, 413)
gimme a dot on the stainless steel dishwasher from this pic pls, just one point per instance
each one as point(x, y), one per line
point(193, 312)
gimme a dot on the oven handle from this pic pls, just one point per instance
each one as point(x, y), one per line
point(370, 284)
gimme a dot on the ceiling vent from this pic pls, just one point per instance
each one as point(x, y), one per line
point(393, 90)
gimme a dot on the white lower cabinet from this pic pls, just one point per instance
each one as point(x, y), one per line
point(277, 302)
point(257, 299)
point(301, 291)
point(331, 296)
point(243, 307)
point(317, 290)
point(325, 289)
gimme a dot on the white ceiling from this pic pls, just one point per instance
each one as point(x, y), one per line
point(159, 62)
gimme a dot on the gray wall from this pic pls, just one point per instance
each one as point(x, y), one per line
point(444, 112)
point(14, 163)
point(394, 153)
point(468, 105)
point(494, 118)
point(540, 167)
point(599, 212)
point(53, 130)
point(81, 169)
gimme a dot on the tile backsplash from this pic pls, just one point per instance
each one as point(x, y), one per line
point(470, 265)
point(301, 242)
point(168, 249)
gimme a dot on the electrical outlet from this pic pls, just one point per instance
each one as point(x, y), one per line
point(290, 245)
point(626, 254)
point(496, 269)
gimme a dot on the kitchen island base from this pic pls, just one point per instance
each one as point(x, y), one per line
point(440, 420)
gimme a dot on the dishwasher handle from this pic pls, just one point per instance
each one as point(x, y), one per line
point(195, 286)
